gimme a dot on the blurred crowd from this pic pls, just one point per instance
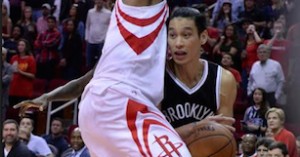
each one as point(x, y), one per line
point(256, 40)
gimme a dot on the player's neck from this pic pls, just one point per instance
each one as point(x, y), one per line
point(189, 74)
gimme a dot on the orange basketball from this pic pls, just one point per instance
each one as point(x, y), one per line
point(211, 140)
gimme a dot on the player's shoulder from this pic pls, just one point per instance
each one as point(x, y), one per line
point(227, 76)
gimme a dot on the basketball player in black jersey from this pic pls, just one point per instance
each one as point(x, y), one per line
point(194, 88)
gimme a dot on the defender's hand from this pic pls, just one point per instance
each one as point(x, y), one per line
point(38, 103)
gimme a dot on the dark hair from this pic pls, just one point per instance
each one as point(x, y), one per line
point(191, 13)
point(21, 29)
point(27, 46)
point(235, 34)
point(57, 119)
point(11, 121)
point(221, 14)
point(265, 141)
point(280, 146)
point(51, 17)
point(31, 120)
point(23, 15)
point(73, 21)
point(264, 106)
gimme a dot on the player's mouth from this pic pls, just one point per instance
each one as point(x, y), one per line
point(180, 54)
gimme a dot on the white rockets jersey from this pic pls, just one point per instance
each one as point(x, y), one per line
point(134, 52)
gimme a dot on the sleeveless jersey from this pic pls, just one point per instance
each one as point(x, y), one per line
point(182, 105)
point(138, 63)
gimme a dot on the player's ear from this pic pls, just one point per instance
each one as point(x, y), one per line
point(203, 37)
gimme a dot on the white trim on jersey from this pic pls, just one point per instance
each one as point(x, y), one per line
point(218, 86)
point(197, 86)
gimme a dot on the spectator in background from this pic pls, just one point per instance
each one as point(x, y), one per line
point(36, 7)
point(71, 51)
point(96, 27)
point(248, 145)
point(275, 119)
point(7, 4)
point(279, 45)
point(255, 14)
point(227, 63)
point(254, 119)
point(79, 25)
point(249, 54)
point(24, 136)
point(24, 73)
point(28, 25)
point(78, 148)
point(274, 10)
point(12, 146)
point(262, 145)
point(224, 16)
point(228, 43)
point(267, 74)
point(11, 44)
point(6, 23)
point(46, 45)
point(35, 143)
point(56, 137)
point(278, 149)
point(42, 22)
point(7, 72)
point(237, 7)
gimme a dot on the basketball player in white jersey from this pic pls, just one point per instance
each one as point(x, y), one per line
point(118, 115)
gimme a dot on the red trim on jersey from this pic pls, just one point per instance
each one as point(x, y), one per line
point(138, 21)
point(133, 108)
point(146, 126)
point(139, 44)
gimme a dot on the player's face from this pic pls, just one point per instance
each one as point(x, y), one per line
point(10, 133)
point(274, 121)
point(257, 96)
point(76, 140)
point(184, 40)
point(262, 151)
point(26, 123)
point(275, 153)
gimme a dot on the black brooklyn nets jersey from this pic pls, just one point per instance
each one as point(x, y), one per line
point(182, 105)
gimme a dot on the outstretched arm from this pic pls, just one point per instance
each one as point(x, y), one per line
point(71, 90)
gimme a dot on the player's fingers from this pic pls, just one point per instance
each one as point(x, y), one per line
point(19, 104)
point(229, 127)
point(221, 119)
point(43, 106)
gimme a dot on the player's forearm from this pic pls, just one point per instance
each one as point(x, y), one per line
point(141, 2)
point(185, 131)
point(71, 90)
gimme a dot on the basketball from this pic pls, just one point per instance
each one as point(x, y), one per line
point(211, 139)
